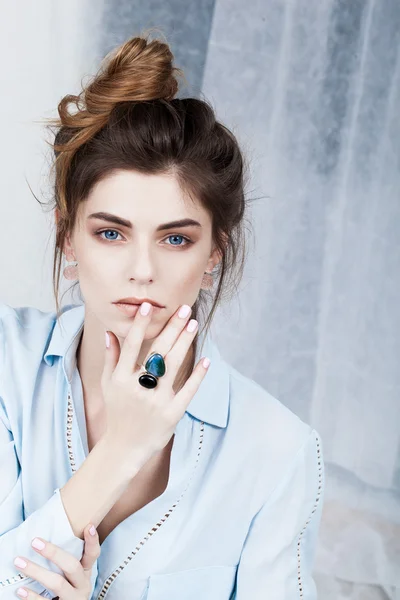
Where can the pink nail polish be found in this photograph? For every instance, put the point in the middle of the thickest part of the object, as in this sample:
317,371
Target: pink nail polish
38,544
21,592
18,562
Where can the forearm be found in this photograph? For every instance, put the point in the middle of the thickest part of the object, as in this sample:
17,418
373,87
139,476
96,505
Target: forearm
97,485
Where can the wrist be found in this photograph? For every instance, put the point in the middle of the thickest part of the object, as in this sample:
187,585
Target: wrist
129,460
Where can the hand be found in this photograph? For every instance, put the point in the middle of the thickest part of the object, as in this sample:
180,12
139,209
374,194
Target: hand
141,420
76,583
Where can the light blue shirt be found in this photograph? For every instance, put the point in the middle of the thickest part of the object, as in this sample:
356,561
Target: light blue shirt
238,520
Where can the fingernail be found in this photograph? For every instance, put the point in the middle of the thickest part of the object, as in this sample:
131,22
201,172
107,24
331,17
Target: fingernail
38,544
107,340
184,311
145,308
92,530
206,362
21,592
191,326
18,562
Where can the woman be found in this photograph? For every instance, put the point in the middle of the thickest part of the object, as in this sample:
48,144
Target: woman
200,484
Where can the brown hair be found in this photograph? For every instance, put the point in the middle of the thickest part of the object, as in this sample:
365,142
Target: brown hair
127,118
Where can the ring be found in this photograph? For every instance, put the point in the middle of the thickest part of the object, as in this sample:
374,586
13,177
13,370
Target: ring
155,368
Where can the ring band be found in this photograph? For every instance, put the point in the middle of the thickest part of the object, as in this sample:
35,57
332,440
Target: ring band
154,369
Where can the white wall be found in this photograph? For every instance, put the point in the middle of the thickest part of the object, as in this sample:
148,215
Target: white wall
46,46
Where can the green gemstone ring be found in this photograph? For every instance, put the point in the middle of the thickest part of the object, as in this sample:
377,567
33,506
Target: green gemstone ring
155,368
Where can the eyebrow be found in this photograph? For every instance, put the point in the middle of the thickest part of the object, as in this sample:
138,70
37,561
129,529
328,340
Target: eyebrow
104,216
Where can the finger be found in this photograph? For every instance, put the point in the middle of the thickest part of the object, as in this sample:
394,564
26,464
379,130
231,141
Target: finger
124,362
52,581
166,339
183,398
28,594
176,356
91,549
68,564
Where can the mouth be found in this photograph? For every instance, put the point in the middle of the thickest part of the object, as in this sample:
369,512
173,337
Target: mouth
131,309
136,302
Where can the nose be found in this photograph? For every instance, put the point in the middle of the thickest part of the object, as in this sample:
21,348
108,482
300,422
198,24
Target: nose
142,270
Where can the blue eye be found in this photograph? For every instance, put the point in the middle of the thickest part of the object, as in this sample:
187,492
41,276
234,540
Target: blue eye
105,231
179,245
181,237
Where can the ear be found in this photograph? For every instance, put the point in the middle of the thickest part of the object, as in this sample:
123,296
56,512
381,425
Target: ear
68,249
215,257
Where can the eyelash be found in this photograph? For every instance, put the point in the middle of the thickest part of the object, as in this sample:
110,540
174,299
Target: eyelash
188,240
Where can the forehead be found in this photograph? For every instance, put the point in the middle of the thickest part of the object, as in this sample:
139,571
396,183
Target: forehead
151,197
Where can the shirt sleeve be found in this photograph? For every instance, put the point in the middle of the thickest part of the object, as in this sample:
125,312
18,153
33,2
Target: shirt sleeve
278,554
50,521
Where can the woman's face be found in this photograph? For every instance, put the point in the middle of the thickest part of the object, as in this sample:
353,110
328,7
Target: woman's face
140,259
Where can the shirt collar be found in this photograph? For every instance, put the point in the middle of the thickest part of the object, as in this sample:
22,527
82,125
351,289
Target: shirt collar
209,404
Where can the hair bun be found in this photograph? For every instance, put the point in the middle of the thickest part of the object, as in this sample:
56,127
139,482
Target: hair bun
137,70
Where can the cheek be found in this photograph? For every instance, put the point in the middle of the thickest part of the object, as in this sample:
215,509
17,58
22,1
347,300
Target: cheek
185,278
99,269
96,280
184,287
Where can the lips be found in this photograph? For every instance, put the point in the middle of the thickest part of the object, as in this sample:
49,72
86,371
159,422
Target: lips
130,309
136,301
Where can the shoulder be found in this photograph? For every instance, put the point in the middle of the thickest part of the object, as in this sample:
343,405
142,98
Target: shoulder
24,335
25,315
24,328
263,416
275,436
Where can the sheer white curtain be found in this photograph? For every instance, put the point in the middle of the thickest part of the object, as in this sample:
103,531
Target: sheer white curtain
46,48
313,90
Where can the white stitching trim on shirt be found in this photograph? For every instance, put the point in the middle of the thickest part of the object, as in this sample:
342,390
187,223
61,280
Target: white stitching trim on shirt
309,518
69,434
121,567
117,571
16,579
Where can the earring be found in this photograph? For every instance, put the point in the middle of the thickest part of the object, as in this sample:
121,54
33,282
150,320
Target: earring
71,272
208,281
